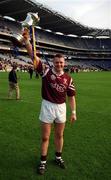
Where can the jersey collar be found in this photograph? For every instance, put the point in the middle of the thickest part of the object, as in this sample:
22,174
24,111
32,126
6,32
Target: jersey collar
62,72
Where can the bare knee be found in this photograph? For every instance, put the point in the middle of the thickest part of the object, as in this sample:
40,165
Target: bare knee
45,139
58,136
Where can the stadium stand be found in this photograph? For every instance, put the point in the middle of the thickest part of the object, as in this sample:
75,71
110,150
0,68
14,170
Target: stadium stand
83,47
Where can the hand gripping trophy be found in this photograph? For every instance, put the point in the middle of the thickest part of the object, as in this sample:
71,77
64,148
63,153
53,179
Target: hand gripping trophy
29,24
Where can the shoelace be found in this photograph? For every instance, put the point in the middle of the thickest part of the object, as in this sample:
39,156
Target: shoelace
42,166
60,160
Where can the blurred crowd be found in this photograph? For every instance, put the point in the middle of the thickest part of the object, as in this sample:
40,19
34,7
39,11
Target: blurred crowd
6,65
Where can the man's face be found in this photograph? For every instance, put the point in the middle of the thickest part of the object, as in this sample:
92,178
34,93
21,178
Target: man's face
59,64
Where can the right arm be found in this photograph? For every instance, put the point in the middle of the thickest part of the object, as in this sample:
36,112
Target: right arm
28,46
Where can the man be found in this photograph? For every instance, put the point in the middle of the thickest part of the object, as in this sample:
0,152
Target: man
13,84
56,85
30,70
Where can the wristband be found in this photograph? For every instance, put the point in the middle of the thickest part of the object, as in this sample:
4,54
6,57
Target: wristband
74,112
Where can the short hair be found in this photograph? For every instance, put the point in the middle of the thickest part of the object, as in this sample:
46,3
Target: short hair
59,55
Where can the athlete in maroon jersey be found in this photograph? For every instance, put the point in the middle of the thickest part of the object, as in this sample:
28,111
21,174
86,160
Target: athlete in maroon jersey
56,86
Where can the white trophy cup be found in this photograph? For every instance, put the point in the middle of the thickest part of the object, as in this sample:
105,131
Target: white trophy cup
31,20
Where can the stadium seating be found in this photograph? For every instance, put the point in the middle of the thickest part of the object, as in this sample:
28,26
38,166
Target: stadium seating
86,52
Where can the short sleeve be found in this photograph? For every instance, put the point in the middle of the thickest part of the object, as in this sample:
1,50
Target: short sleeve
71,88
39,67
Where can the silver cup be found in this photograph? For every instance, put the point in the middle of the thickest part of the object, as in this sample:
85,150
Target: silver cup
32,19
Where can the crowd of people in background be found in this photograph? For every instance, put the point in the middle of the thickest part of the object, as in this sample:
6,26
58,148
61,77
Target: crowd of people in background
76,69
23,65
6,64
5,29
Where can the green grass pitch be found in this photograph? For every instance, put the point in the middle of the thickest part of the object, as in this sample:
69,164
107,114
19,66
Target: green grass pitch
87,143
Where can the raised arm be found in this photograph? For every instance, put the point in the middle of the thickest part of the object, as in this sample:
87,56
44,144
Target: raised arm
28,46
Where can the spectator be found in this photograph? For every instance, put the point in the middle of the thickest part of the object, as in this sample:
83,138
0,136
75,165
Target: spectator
30,72
13,83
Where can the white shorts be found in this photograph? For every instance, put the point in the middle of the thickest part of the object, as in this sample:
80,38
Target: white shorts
51,112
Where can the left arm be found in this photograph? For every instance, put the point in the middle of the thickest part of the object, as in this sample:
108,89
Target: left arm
72,103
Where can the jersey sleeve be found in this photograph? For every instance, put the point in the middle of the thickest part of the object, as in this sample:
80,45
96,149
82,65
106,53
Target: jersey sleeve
71,88
40,68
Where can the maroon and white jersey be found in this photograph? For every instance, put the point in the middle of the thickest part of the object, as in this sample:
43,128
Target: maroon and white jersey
55,87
